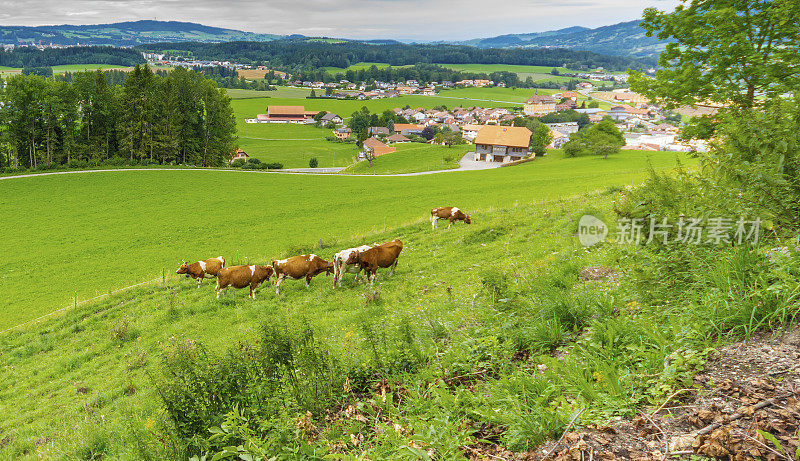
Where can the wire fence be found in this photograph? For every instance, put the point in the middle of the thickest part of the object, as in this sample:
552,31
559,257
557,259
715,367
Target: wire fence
75,303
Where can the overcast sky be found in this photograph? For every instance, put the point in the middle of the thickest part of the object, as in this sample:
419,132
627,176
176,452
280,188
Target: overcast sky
398,19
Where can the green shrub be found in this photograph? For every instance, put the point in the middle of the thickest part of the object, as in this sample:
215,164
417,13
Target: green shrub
287,370
313,162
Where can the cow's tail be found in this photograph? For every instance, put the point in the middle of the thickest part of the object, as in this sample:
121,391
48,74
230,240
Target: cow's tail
222,260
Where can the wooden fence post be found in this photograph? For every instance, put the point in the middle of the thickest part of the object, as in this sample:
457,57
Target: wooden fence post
320,244
75,300
384,223
163,275
237,257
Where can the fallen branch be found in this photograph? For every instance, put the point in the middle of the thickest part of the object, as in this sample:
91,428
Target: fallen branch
569,426
737,416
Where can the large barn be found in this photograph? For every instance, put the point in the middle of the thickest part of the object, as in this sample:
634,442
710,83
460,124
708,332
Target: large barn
286,114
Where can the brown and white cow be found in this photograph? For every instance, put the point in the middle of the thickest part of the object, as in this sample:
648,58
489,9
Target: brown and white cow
450,213
202,269
380,256
243,276
298,267
341,265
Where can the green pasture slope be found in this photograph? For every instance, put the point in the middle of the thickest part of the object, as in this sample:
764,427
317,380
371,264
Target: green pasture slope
80,385
93,232
412,158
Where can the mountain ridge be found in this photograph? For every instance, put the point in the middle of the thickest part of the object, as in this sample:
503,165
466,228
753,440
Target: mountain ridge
621,39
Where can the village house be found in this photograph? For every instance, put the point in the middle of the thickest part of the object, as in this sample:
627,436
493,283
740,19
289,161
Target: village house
397,138
342,133
496,143
378,131
239,155
377,147
406,129
567,128
567,95
539,105
331,117
559,139
470,131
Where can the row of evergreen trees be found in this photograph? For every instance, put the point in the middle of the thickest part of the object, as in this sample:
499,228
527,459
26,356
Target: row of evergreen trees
176,118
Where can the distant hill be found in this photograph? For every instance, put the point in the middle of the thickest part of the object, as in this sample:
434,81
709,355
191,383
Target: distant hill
126,34
623,39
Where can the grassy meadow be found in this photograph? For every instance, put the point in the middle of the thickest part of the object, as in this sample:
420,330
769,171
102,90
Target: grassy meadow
80,385
412,158
113,229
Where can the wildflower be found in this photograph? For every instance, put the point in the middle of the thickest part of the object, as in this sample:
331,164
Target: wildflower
149,423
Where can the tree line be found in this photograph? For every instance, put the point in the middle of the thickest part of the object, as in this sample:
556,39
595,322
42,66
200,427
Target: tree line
176,118
422,73
26,56
296,55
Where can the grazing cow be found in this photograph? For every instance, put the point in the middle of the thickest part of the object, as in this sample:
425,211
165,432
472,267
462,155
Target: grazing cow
243,276
202,269
380,256
341,266
450,213
298,267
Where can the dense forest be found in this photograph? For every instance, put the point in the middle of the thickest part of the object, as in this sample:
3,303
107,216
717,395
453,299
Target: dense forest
296,55
33,57
150,118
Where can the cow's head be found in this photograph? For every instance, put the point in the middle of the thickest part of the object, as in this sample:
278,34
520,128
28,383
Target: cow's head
184,269
353,258
468,220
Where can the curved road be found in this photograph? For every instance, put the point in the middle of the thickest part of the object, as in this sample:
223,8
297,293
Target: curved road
466,164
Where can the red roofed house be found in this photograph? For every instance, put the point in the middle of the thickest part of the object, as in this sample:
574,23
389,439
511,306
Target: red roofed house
378,148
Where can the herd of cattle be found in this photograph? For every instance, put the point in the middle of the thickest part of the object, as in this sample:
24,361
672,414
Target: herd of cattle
367,258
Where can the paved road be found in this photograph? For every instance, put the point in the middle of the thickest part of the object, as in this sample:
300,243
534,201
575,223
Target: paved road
465,164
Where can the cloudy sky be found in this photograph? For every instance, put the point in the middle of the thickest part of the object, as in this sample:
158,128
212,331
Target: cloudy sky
398,19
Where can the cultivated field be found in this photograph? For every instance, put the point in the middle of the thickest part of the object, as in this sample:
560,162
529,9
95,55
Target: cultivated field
108,230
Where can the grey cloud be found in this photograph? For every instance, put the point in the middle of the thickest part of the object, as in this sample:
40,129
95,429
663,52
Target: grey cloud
401,19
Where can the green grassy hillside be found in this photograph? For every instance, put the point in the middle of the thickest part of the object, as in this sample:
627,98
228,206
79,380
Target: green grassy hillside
80,383
93,232
412,158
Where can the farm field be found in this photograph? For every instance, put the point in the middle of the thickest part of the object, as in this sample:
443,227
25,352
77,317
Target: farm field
412,158
113,229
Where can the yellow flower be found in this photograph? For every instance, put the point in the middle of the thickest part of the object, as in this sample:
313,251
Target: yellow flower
348,335
597,376
149,423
